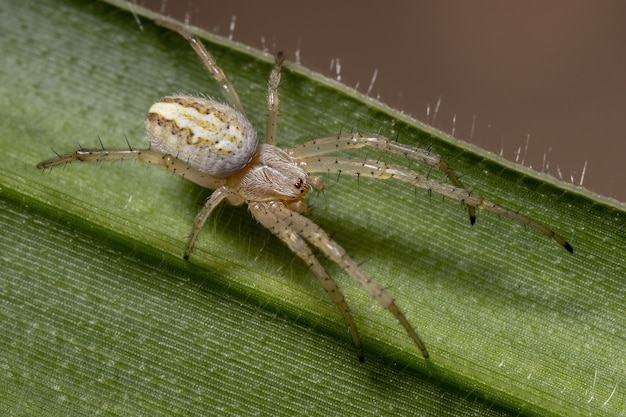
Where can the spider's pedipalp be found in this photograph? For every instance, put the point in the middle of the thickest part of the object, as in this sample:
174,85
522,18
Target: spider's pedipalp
347,141
381,170
275,221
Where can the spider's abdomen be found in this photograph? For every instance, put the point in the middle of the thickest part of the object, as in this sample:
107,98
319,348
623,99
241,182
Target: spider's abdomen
212,137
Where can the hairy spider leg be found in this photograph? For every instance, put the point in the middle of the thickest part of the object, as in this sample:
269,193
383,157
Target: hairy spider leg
347,141
271,115
273,217
223,192
228,91
150,156
292,225
381,170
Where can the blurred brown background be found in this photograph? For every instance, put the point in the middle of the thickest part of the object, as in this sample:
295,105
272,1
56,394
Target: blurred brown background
542,82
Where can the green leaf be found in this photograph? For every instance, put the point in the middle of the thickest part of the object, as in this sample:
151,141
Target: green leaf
100,315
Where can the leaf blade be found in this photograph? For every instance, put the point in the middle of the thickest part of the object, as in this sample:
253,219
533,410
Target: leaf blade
90,82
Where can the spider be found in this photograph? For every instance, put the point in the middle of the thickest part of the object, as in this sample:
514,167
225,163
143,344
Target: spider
214,145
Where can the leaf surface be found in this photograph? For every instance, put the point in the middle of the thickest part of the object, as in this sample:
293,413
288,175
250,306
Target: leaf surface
99,313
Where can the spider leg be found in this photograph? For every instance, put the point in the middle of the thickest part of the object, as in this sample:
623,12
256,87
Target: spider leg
381,170
322,146
228,91
223,192
317,237
278,224
271,117
150,156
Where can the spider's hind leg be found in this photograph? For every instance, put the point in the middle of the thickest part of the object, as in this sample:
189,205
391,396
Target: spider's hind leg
228,91
271,116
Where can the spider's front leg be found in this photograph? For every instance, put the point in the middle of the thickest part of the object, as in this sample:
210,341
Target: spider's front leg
381,170
293,227
347,141
277,223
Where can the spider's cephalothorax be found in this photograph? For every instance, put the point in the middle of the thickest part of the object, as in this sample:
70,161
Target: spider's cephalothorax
215,146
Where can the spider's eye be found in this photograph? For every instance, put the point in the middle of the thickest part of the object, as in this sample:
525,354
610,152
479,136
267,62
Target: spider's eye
299,185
